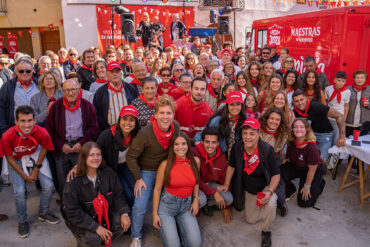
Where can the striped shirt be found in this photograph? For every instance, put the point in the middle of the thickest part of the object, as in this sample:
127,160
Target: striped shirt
117,100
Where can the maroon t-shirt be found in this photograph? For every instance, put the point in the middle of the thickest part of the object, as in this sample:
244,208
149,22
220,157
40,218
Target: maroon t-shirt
302,157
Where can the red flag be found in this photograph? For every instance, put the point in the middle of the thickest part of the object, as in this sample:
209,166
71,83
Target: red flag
51,26
30,32
20,34
61,21
12,44
41,30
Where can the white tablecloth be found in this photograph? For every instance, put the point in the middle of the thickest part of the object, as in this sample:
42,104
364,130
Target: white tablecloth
362,152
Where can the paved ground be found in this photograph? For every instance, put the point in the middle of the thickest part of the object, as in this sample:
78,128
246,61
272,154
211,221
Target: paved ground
341,221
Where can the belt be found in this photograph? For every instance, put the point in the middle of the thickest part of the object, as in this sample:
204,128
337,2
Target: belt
72,142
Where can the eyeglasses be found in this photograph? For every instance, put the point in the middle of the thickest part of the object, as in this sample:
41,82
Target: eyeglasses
179,70
289,61
70,90
166,75
72,54
190,58
266,53
185,82
24,71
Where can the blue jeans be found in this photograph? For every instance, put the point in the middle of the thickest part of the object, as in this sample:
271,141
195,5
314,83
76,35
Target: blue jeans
127,181
175,211
19,193
210,200
323,141
141,203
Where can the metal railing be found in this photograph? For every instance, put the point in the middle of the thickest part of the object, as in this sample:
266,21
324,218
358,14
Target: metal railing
3,9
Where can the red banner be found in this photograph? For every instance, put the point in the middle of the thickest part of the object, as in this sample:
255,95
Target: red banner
12,44
104,22
2,44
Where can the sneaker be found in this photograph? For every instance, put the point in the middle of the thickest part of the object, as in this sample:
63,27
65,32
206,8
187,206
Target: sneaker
49,218
3,217
23,229
136,242
207,210
291,196
284,210
266,239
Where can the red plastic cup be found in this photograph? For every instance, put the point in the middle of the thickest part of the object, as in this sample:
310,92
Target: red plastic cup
363,100
260,195
356,135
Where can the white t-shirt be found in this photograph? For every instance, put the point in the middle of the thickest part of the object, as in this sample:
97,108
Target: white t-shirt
346,94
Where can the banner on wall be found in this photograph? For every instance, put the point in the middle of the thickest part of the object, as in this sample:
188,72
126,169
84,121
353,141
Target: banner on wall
2,44
104,22
12,44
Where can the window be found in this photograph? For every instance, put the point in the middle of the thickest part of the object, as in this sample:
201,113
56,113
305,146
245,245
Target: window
262,38
253,46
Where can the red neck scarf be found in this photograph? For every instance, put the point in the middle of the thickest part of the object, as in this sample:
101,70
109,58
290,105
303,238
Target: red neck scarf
61,61
125,141
209,75
151,105
318,71
250,112
251,162
119,90
101,208
134,80
289,90
23,137
254,82
211,91
309,94
283,71
197,46
75,107
85,67
305,115
338,93
205,156
359,89
233,78
270,132
73,62
242,90
147,69
163,138
27,84
175,79
236,119
301,144
101,81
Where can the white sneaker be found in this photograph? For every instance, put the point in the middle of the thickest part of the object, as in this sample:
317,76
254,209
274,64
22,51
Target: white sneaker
136,242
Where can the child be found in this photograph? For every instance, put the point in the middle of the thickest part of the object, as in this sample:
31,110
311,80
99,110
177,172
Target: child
359,110
251,107
338,97
228,88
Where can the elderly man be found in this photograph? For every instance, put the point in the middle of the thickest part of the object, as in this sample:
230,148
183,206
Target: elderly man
71,122
126,63
71,64
5,73
158,30
44,64
212,64
184,87
139,72
16,92
85,71
178,28
204,59
256,179
214,88
62,53
112,96
310,65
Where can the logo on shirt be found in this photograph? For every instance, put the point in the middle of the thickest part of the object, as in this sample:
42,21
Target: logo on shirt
301,157
253,159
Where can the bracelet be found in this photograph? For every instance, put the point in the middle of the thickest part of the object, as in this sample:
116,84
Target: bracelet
270,192
307,187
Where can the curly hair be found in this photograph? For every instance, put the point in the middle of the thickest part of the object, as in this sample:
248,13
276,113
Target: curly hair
282,130
295,84
310,135
316,86
248,85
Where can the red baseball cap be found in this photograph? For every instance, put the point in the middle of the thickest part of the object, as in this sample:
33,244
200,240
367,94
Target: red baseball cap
129,110
253,123
113,65
234,96
226,51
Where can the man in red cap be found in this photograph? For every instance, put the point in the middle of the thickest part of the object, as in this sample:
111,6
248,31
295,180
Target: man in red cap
112,96
192,112
256,179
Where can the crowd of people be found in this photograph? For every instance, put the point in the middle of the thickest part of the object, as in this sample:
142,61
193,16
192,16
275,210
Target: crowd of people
176,130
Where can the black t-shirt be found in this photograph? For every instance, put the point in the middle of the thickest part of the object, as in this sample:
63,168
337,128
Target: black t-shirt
255,182
318,117
302,157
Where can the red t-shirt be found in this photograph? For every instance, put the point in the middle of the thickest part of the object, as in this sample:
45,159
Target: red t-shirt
16,147
182,179
302,157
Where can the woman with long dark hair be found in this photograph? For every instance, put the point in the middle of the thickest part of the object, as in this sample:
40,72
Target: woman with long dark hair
243,85
254,73
264,97
95,209
290,84
311,87
178,204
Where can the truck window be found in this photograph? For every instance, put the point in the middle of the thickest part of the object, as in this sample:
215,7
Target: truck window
252,40
262,38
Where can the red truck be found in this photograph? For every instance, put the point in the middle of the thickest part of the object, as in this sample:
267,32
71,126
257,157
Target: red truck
338,38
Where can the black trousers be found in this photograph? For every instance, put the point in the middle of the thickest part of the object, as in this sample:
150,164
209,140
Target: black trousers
64,164
289,172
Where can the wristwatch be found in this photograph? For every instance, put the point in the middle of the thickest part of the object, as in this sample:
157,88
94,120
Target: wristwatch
38,166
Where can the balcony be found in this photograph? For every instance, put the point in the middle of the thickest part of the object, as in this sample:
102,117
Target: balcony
216,3
3,9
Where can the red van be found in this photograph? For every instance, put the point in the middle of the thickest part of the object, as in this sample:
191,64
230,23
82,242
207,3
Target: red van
338,38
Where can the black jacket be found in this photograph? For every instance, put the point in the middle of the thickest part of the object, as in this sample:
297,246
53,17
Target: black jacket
79,193
86,78
68,67
101,102
182,29
7,104
5,75
267,156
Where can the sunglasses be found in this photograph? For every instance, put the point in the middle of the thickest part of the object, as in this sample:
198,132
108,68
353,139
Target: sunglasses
24,71
266,53
72,54
289,61
166,75
190,58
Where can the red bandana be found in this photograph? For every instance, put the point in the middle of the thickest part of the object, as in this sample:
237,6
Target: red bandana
101,208
270,133
205,156
61,61
23,140
75,107
243,91
163,138
289,90
359,89
73,62
250,112
283,71
254,82
209,75
318,71
119,90
85,67
211,91
309,94
125,141
165,89
338,93
141,96
233,78
134,80
101,81
27,84
147,69
305,115
236,119
174,79
301,144
251,162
